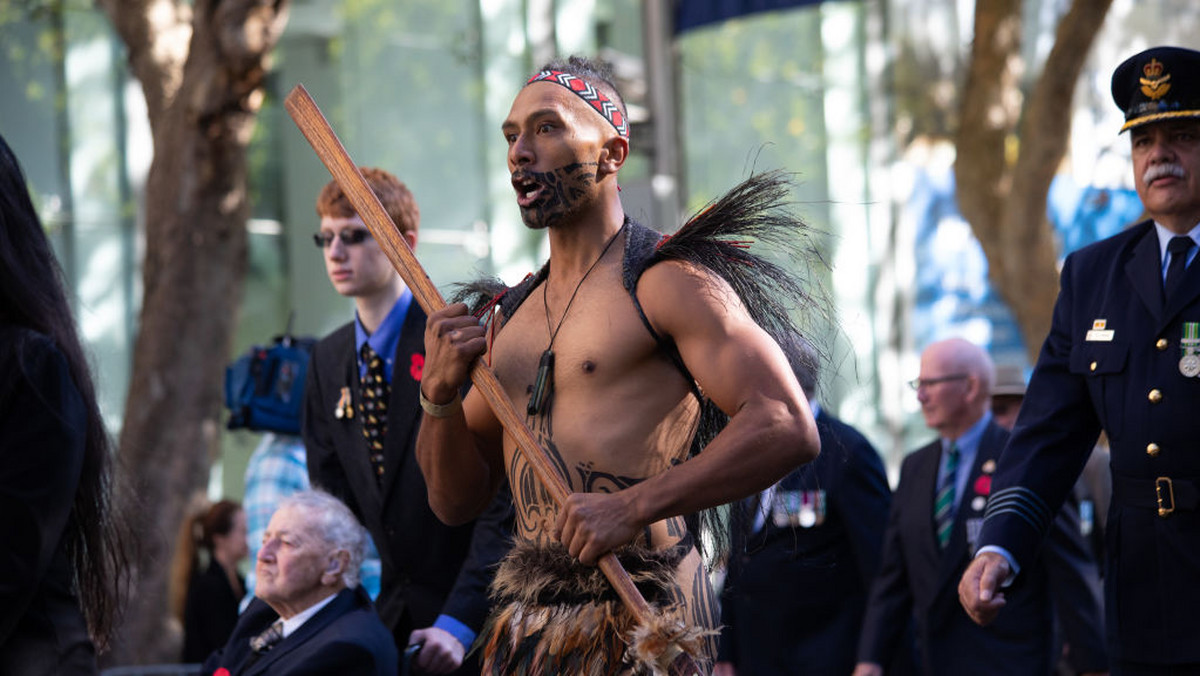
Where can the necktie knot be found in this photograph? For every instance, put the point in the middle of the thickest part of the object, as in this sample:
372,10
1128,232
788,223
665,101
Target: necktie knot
1180,244
268,638
1178,247
369,356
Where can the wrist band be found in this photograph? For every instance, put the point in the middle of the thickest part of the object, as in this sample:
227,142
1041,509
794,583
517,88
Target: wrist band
440,410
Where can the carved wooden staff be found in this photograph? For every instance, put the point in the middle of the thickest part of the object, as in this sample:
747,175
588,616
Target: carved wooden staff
333,155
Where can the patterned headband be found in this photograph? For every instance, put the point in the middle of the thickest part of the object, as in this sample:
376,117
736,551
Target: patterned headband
598,101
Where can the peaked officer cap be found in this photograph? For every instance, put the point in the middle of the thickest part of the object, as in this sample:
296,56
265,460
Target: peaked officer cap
1161,83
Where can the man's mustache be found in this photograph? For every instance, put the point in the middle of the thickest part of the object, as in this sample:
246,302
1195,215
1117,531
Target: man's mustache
1158,171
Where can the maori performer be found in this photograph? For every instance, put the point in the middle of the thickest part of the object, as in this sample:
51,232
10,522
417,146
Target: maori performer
628,351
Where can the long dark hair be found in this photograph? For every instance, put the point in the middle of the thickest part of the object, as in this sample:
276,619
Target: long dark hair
32,296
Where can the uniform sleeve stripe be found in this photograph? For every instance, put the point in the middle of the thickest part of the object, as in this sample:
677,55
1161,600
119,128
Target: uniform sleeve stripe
1024,516
1023,503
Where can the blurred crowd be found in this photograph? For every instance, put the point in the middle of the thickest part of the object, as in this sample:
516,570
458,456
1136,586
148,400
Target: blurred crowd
1048,526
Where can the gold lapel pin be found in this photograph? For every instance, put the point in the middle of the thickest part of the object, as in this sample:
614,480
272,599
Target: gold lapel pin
344,408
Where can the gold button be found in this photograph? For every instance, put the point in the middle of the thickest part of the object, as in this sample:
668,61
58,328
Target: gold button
1155,396
1152,450
1162,344
1093,366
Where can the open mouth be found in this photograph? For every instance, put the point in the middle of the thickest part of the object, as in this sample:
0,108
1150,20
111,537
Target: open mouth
528,190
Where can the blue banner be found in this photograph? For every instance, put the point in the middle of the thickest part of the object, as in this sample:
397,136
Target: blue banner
691,14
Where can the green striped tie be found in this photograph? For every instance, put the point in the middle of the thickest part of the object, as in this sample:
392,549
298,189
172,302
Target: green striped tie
943,505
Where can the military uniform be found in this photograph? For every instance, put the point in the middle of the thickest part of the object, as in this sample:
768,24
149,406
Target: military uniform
1123,357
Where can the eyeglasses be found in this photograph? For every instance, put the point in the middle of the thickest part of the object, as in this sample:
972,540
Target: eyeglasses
918,383
349,236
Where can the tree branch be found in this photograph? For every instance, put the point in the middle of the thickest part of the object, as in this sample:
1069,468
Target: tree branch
1045,136
989,112
1005,201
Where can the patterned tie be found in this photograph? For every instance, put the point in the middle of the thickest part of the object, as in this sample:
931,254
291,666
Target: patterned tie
1178,247
268,638
373,407
943,505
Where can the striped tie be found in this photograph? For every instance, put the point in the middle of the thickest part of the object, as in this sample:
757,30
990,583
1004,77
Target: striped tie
943,505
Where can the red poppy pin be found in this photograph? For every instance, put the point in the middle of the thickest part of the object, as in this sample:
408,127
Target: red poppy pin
221,672
417,367
983,485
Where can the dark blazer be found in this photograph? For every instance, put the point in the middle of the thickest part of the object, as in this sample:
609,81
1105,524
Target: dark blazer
344,638
918,579
1111,361
42,440
421,557
209,613
793,597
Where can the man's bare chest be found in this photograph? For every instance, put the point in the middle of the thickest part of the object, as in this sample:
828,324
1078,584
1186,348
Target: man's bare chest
600,340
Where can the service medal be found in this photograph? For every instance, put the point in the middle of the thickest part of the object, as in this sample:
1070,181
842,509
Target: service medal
812,511
786,509
1189,365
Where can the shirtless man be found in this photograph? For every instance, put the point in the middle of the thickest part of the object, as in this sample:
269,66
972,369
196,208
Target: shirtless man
619,418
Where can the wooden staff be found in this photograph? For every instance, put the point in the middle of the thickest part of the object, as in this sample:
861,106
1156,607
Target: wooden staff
333,155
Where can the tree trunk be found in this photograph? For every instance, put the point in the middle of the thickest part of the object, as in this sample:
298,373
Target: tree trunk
1004,197
196,211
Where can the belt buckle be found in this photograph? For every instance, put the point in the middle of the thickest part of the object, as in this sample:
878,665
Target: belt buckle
1164,511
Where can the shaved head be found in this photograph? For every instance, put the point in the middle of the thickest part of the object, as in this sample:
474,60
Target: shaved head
955,385
966,357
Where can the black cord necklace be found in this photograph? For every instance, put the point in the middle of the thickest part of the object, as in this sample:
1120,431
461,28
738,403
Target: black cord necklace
544,384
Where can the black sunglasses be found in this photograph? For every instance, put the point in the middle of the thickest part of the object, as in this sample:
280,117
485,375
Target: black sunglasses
350,236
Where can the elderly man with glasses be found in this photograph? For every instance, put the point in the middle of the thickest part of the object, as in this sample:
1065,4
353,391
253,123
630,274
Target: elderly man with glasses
932,531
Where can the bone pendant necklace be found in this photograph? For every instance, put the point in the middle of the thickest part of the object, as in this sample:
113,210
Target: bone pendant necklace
543,385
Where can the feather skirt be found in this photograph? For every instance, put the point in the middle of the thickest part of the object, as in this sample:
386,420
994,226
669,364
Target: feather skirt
556,616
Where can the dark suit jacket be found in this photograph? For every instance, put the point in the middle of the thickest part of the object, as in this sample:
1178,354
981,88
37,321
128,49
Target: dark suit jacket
793,597
42,431
421,557
209,613
344,638
1086,379
918,579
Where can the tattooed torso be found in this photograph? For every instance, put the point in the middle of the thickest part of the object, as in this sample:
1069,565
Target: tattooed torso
619,412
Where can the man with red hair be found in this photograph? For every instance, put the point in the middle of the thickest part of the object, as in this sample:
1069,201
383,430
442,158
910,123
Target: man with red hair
360,425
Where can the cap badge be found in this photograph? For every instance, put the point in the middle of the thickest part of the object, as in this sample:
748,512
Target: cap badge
1155,85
